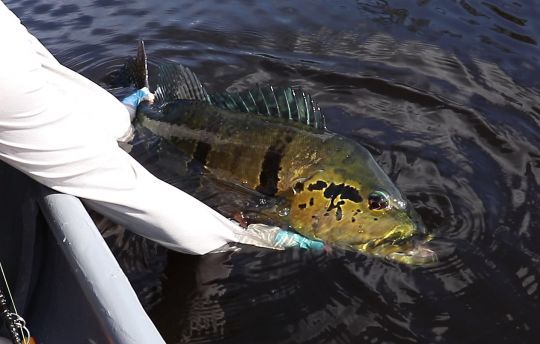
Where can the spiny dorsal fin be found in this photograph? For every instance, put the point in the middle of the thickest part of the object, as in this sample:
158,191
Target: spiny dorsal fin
289,103
178,82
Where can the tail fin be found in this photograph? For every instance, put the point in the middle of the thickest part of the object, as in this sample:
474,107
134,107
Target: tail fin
138,67
133,73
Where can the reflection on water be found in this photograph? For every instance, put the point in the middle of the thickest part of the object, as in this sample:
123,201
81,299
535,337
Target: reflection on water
444,94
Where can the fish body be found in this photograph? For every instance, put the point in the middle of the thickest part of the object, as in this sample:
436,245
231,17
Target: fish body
273,141
324,179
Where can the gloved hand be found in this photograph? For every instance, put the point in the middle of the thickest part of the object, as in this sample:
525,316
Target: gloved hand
138,96
132,101
291,239
274,237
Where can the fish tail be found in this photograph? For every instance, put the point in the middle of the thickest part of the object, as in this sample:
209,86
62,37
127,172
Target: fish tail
139,67
133,73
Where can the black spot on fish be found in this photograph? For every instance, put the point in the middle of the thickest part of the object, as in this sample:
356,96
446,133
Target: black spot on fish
302,206
298,187
311,201
345,192
353,219
375,219
319,185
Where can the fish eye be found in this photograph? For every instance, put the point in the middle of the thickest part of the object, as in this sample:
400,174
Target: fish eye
378,200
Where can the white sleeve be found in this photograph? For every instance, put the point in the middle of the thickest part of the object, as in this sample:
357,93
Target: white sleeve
61,129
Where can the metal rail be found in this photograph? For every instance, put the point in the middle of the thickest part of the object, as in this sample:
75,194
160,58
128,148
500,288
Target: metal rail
97,271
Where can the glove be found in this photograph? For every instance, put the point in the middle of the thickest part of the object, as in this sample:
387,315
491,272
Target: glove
290,239
274,237
137,97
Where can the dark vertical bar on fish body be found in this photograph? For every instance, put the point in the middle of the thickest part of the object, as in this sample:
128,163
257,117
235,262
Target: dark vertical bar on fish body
201,153
268,179
271,165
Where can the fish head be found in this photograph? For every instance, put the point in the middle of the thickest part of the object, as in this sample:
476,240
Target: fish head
356,205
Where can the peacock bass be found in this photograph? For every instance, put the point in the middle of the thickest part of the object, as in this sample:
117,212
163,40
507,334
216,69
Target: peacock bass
274,141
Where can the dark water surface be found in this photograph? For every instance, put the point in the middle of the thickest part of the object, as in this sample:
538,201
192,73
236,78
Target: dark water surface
444,93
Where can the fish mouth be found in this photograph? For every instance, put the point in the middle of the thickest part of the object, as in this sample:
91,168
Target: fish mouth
419,255
394,238
401,245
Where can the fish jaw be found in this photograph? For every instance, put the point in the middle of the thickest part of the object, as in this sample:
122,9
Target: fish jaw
418,255
402,246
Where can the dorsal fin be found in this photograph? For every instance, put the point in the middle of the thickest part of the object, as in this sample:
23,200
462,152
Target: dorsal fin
178,82
288,103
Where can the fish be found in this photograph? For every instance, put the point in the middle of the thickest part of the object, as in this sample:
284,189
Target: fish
274,141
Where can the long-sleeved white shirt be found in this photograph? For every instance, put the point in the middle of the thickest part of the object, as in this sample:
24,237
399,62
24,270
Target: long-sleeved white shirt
62,129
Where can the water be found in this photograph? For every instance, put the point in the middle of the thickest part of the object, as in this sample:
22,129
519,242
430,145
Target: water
445,95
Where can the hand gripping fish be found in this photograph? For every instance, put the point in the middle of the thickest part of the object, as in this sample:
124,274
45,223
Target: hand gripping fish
274,141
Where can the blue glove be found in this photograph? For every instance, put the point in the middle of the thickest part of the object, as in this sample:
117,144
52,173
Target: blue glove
137,97
290,239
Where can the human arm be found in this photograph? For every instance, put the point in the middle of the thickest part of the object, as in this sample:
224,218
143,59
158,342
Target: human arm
61,130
